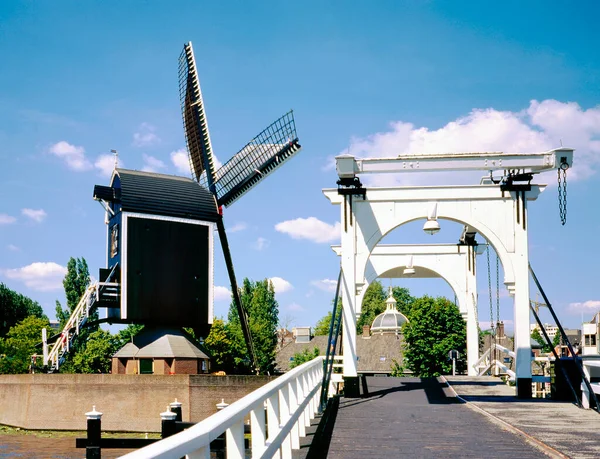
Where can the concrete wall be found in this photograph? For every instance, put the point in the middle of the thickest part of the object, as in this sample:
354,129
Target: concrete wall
129,402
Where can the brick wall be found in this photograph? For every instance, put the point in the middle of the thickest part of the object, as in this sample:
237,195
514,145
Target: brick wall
129,402
186,366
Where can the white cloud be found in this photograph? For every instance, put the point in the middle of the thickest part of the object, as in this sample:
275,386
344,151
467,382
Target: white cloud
310,228
295,307
42,276
72,155
221,293
261,244
591,306
540,127
13,248
152,164
181,162
7,219
145,136
281,285
327,285
240,226
106,164
37,215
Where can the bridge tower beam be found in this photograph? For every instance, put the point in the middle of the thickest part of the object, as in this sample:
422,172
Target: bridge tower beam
499,216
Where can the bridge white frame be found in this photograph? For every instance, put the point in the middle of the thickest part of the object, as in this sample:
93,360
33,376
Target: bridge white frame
455,263
291,401
499,216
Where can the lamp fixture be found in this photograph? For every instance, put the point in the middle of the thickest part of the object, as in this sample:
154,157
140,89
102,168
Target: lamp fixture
432,226
409,270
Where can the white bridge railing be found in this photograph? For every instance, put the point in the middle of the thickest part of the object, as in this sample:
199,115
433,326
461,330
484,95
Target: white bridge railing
291,401
487,363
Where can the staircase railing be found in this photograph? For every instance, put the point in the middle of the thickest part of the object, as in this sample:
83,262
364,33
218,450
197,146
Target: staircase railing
330,357
486,362
291,402
71,329
79,317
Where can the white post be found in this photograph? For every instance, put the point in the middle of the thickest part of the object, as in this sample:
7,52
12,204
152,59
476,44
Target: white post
348,243
273,419
284,415
45,345
294,433
472,329
300,396
258,430
521,301
234,441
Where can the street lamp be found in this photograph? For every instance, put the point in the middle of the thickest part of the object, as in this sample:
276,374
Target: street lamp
432,226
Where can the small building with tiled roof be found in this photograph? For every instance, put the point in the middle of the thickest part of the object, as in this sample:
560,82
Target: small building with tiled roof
162,352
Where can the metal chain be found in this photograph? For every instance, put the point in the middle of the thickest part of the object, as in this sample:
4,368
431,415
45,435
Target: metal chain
562,194
497,289
487,251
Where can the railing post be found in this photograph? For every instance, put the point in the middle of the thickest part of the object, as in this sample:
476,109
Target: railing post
94,433
273,419
234,441
284,415
258,430
167,424
305,392
299,399
176,408
294,432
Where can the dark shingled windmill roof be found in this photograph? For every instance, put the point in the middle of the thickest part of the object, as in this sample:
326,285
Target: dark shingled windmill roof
151,193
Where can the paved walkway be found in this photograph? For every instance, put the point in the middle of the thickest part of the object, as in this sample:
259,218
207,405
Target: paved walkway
562,426
411,417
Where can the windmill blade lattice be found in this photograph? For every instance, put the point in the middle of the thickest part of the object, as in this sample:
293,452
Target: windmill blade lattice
261,156
197,136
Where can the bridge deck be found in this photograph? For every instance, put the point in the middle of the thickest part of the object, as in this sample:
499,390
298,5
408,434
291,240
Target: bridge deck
412,417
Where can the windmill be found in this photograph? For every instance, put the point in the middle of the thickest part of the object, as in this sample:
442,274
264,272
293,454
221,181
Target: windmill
266,152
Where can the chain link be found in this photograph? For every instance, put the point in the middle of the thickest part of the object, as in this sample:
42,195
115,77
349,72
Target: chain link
489,270
497,289
562,194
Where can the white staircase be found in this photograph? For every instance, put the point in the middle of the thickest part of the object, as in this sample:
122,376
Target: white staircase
96,291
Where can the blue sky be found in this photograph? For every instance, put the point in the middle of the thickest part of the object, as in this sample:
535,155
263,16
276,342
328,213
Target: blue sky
78,79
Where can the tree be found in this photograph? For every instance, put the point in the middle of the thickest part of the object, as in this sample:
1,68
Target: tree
15,307
75,283
374,303
536,335
128,333
19,345
322,326
219,346
435,327
259,301
304,356
95,355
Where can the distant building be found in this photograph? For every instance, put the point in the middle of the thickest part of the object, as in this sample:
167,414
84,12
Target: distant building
591,336
376,349
161,352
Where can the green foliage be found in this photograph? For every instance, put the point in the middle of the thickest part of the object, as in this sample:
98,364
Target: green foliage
128,333
304,356
219,346
75,283
322,326
397,370
19,345
259,301
536,335
374,303
15,307
95,355
435,327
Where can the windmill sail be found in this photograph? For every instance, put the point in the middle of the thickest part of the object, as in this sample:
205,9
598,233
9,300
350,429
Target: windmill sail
194,118
261,156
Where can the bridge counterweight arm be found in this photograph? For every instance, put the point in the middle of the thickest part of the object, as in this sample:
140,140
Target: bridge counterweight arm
349,166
